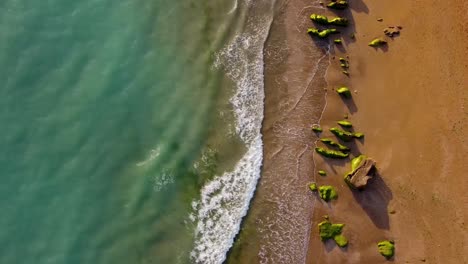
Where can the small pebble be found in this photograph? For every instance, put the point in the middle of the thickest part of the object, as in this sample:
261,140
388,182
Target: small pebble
380,19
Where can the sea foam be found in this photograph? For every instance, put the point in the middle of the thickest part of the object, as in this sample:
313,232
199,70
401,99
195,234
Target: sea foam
225,200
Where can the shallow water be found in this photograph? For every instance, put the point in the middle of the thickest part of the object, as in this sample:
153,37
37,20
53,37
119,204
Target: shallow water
113,118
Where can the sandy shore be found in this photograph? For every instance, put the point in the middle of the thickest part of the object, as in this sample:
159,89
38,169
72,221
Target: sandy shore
410,101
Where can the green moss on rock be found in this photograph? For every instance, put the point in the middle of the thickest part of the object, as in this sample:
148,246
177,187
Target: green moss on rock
338,41
322,173
319,19
328,193
340,5
341,134
317,129
344,91
327,231
313,187
334,154
345,123
377,42
322,33
386,248
341,240
358,135
335,144
337,21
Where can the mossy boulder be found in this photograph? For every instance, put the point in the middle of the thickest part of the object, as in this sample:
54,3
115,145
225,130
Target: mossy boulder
358,135
334,154
377,42
339,5
320,19
317,129
337,21
341,240
331,142
328,193
386,248
362,170
338,41
322,33
345,123
313,187
322,173
341,134
327,231
344,91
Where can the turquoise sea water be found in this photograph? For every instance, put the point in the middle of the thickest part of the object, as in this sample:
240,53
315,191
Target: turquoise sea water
105,107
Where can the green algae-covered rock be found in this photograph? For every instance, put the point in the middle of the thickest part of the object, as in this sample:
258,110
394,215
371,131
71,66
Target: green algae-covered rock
377,42
327,193
317,129
319,19
345,123
337,21
322,173
345,73
341,240
334,154
327,231
332,143
340,5
344,91
322,33
386,248
341,134
313,187
338,41
358,135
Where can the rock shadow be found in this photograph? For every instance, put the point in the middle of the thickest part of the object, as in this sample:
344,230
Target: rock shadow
374,200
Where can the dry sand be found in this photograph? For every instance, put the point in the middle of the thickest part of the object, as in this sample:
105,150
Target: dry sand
411,103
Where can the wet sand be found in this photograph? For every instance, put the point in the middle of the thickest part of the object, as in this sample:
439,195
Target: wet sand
410,101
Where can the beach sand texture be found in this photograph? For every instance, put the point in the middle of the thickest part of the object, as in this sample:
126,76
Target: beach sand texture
409,99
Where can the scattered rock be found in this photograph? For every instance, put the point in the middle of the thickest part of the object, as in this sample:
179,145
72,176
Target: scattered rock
334,154
362,170
327,193
340,5
317,128
327,231
322,33
345,123
377,42
344,91
322,173
392,31
338,41
337,21
313,187
380,19
386,248
332,143
341,134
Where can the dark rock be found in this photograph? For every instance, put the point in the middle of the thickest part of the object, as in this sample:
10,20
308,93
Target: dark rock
392,31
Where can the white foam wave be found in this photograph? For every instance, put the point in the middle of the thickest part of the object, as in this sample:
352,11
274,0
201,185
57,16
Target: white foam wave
225,200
